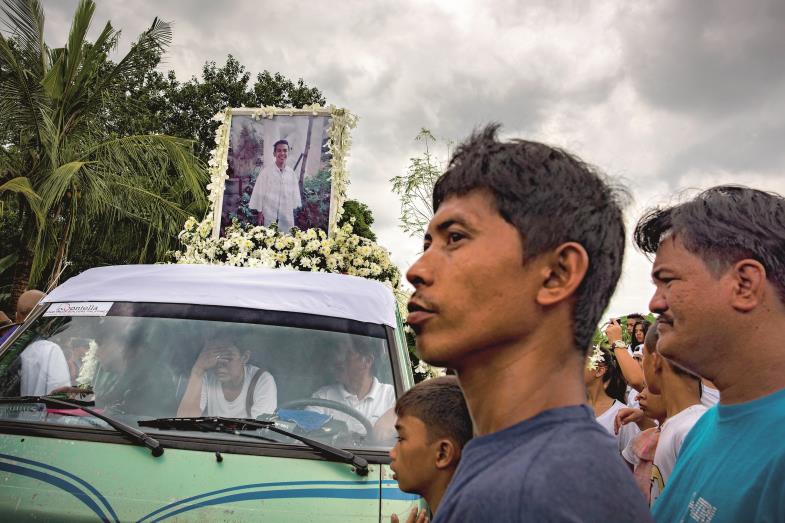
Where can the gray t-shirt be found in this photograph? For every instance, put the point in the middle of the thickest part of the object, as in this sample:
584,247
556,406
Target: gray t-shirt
560,465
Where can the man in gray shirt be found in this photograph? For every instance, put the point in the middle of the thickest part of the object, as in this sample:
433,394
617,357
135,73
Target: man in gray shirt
525,240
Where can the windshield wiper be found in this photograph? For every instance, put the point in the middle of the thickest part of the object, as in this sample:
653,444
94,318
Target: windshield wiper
130,432
238,425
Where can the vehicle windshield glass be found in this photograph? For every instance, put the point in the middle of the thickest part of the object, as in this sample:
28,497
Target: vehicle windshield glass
327,378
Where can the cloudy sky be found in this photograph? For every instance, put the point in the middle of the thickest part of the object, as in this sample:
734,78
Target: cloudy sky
667,96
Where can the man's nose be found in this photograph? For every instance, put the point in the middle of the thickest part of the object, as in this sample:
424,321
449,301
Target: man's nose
421,273
658,304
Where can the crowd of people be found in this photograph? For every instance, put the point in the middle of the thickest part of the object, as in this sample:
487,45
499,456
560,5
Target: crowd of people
675,419
678,419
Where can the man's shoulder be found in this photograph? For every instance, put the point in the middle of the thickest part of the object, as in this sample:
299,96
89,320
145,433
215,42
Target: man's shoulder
531,479
40,348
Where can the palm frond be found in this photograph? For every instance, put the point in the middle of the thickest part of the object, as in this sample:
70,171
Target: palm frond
55,185
25,21
21,185
6,262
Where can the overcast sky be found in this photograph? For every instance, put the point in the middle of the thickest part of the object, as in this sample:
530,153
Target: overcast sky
667,96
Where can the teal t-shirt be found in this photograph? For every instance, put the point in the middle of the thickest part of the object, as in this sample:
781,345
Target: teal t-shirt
731,467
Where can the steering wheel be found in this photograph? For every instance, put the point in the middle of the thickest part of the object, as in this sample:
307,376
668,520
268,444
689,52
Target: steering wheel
329,404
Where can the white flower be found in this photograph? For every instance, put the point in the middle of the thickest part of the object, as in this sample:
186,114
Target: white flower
89,366
595,358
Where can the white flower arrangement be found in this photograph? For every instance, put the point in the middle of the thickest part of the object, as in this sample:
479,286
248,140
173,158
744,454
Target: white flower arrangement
89,365
311,250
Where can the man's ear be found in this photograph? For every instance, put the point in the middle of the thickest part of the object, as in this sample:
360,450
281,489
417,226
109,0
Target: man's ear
447,454
748,278
564,271
246,356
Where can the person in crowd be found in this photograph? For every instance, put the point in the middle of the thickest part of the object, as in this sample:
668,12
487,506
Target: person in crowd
525,238
223,383
352,363
24,306
605,388
276,193
433,426
680,392
639,331
632,319
641,449
631,370
44,368
720,295
128,379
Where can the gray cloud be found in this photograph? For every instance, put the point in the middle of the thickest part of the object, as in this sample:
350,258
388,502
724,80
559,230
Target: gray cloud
664,93
711,58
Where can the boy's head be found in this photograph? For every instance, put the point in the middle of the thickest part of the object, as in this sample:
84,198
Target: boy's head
433,426
522,233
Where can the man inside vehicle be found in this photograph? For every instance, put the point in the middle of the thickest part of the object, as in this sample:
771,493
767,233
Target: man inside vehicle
352,364
223,383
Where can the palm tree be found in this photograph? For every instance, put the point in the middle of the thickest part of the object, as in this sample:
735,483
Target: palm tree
67,179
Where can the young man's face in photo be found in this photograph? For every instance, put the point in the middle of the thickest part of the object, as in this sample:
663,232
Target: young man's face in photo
281,153
413,457
472,289
689,300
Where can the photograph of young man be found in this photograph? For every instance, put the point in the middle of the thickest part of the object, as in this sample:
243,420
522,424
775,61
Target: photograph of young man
276,193
524,240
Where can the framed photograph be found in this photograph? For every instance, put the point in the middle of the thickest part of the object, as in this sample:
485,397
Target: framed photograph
278,169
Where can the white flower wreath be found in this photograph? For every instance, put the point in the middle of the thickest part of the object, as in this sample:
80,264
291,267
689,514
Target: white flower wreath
341,251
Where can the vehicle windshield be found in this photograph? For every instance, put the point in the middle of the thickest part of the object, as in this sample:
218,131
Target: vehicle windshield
327,378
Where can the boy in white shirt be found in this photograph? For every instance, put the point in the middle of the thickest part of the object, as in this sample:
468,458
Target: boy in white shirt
681,393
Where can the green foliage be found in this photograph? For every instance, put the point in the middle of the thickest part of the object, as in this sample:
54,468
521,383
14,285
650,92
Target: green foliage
363,218
66,178
157,102
415,188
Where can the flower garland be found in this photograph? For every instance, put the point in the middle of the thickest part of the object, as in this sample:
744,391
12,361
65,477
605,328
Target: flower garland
311,250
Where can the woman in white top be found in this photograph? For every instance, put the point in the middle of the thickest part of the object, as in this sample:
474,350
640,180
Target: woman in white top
605,389
222,383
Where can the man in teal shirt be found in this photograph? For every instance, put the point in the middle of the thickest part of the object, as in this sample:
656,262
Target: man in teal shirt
719,273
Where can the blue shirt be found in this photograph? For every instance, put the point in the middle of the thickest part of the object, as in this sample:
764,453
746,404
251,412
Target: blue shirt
560,465
731,466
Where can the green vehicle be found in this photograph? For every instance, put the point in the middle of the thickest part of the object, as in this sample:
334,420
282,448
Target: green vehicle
212,393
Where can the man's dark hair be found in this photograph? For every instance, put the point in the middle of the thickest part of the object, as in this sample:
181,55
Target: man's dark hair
721,226
551,197
279,142
636,316
613,379
440,405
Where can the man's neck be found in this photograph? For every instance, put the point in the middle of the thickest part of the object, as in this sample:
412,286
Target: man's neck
754,366
436,489
679,393
360,388
280,165
506,385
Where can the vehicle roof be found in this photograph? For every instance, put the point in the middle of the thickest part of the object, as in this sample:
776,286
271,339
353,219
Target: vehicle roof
326,294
